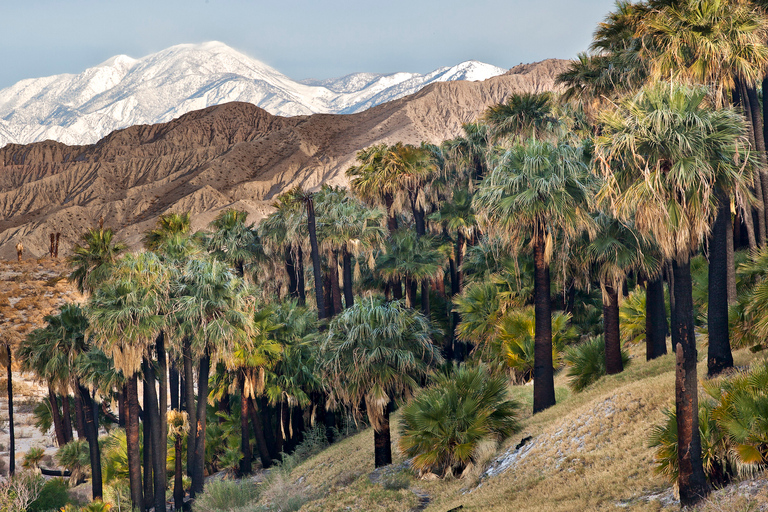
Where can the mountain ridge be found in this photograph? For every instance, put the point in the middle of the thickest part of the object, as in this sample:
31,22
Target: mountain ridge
234,155
123,91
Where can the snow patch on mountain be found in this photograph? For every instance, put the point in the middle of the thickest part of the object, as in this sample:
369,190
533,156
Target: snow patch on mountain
123,91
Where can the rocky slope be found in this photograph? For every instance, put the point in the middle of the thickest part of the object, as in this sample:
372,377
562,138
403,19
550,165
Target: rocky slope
232,155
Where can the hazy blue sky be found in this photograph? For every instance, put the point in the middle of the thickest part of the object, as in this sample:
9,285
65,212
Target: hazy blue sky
301,38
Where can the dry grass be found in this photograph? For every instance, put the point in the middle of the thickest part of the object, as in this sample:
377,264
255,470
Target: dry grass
589,452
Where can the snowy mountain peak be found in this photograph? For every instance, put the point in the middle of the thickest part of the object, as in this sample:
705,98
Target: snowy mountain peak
123,91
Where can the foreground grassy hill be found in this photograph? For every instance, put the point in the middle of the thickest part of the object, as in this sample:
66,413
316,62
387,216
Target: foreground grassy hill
589,452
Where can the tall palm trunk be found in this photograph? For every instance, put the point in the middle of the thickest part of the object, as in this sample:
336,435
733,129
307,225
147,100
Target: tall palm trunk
692,482
719,356
132,440
335,290
316,268
349,296
382,442
543,372
199,434
148,426
92,435
290,270
79,421
655,319
258,429
161,466
758,181
300,276
66,413
245,434
58,424
173,382
729,248
189,386
11,429
758,130
425,297
613,363
156,439
178,483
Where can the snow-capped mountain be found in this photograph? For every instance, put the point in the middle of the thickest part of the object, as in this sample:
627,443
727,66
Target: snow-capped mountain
122,91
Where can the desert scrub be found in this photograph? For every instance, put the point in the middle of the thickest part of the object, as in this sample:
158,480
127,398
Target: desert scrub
442,427
53,496
225,496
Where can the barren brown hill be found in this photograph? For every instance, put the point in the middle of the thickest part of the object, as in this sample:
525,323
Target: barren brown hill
232,155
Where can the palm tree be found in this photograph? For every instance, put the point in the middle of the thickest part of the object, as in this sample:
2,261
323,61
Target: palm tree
376,351
282,234
231,240
91,262
167,225
666,153
60,346
127,321
616,250
539,189
307,199
214,315
347,228
523,116
414,260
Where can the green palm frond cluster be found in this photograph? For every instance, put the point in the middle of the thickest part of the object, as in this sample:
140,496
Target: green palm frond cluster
632,317
376,351
585,362
442,426
515,340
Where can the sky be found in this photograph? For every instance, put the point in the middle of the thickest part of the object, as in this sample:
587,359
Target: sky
300,38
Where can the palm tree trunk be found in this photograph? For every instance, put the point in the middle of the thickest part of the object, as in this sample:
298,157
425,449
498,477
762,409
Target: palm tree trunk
161,469
329,313
391,217
335,290
418,215
132,440
297,421
460,243
316,268
612,338
349,297
655,319
300,276
670,275
410,290
173,380
719,355
382,442
290,270
266,421
202,401
758,185
58,424
425,298
258,429
66,413
758,130
189,386
245,434
11,429
178,484
285,426
79,422
156,439
543,371
92,434
148,426
692,482
729,247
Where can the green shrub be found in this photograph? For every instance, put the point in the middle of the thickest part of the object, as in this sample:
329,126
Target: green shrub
53,496
586,362
75,457
442,426
225,496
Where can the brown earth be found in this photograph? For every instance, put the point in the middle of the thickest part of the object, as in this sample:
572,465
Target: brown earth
232,155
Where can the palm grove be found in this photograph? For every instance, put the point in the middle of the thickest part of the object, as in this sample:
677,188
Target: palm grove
545,236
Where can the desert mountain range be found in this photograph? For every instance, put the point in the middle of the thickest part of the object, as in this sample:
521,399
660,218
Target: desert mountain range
123,91
232,155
